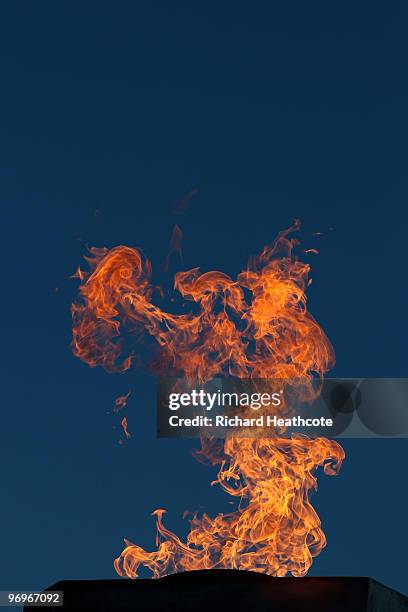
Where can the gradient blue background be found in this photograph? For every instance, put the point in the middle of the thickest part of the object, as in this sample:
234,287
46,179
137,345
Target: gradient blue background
109,113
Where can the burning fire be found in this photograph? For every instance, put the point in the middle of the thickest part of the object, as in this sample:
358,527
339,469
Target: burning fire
255,326
124,424
121,402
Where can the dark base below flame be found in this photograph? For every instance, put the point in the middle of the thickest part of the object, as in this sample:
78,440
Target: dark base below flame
225,590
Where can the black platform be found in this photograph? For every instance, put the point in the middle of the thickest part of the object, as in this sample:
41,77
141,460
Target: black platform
229,590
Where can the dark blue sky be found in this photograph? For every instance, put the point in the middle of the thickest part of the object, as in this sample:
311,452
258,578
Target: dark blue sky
274,111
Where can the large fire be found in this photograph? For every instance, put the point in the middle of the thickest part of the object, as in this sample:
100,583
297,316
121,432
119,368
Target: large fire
256,326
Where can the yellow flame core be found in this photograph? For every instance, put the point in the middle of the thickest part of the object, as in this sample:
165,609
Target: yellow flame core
257,326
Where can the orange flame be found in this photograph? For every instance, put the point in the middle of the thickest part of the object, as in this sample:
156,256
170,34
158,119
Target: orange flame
124,424
121,402
311,251
256,326
78,274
